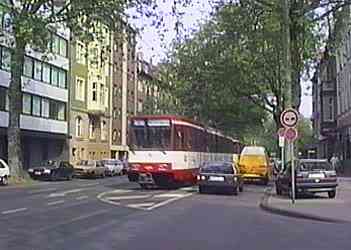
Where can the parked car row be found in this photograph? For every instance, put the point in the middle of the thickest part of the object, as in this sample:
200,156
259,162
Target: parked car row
4,173
63,170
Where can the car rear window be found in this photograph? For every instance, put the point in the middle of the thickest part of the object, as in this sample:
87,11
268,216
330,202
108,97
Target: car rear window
312,166
220,169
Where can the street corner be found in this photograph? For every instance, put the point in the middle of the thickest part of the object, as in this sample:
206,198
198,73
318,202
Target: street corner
146,200
315,209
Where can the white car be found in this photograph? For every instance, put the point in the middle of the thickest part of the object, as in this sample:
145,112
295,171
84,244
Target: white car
4,172
113,167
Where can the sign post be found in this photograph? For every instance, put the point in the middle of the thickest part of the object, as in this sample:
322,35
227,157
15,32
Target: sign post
289,119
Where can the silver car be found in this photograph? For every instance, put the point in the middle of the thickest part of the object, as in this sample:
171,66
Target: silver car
220,176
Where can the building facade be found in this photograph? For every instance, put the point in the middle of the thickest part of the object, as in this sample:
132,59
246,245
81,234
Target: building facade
91,76
324,106
45,98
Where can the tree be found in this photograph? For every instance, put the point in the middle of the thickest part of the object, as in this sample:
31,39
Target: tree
30,24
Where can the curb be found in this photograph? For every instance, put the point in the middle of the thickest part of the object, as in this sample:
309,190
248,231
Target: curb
264,205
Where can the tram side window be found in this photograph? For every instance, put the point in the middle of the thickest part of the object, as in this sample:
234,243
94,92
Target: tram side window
180,138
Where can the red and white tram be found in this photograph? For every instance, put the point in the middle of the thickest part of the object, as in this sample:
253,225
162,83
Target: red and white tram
168,150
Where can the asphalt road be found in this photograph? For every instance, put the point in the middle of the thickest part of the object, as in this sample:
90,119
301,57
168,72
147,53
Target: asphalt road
112,213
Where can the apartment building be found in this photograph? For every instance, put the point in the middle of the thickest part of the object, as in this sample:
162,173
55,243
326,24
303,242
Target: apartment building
124,84
45,97
324,106
91,77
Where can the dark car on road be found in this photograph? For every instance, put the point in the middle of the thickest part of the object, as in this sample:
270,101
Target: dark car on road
311,176
52,170
223,176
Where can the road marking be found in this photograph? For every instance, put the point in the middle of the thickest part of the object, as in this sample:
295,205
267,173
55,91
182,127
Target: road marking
168,201
42,190
141,205
89,184
15,210
82,197
131,197
169,195
62,194
117,191
83,217
55,202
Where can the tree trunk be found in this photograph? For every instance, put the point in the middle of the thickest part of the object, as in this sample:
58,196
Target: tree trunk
15,108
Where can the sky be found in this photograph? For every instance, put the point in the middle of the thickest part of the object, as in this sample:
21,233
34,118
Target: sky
154,46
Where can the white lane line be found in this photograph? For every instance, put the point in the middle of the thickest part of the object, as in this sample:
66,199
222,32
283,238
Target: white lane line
15,210
62,194
89,184
168,201
170,195
42,190
55,202
131,197
82,197
141,205
82,217
117,191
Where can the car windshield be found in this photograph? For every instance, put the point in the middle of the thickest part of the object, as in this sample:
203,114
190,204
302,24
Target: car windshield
48,164
86,163
312,166
220,169
112,162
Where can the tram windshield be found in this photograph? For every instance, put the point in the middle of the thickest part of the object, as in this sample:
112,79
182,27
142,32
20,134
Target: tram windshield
150,134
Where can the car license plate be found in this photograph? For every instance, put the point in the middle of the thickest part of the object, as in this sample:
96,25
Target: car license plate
216,178
37,173
319,175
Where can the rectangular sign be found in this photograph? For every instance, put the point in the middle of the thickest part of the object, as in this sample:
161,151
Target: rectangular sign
139,123
158,123
281,141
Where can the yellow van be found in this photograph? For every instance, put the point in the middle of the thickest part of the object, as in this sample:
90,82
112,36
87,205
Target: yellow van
254,164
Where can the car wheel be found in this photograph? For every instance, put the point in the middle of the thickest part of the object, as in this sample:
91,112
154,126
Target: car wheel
4,181
278,190
202,190
235,191
69,177
332,194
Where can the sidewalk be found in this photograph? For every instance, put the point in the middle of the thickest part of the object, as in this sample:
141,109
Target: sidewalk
318,207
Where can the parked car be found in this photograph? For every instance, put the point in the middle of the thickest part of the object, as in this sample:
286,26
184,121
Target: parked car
90,168
311,175
254,164
4,173
52,170
113,167
220,176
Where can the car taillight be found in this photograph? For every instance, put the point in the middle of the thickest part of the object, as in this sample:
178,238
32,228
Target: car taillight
135,167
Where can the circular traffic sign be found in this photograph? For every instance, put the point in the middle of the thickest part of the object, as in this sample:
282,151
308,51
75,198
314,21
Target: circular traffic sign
289,118
281,132
291,134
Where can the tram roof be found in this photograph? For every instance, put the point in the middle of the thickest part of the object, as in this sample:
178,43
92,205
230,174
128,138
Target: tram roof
183,119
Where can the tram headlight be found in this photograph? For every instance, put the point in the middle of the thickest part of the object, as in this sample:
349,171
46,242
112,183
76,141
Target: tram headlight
198,177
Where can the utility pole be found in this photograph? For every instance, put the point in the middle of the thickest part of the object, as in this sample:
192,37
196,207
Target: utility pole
289,147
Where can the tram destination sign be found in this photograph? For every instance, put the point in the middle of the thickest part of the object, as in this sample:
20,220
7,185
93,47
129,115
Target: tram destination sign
158,123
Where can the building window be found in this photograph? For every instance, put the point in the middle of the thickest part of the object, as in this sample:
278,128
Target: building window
328,109
91,129
36,110
3,99
140,106
5,59
58,45
80,89
62,78
94,96
80,52
38,69
102,94
78,127
61,112
27,104
114,113
114,135
55,76
103,131
28,67
45,107
46,73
